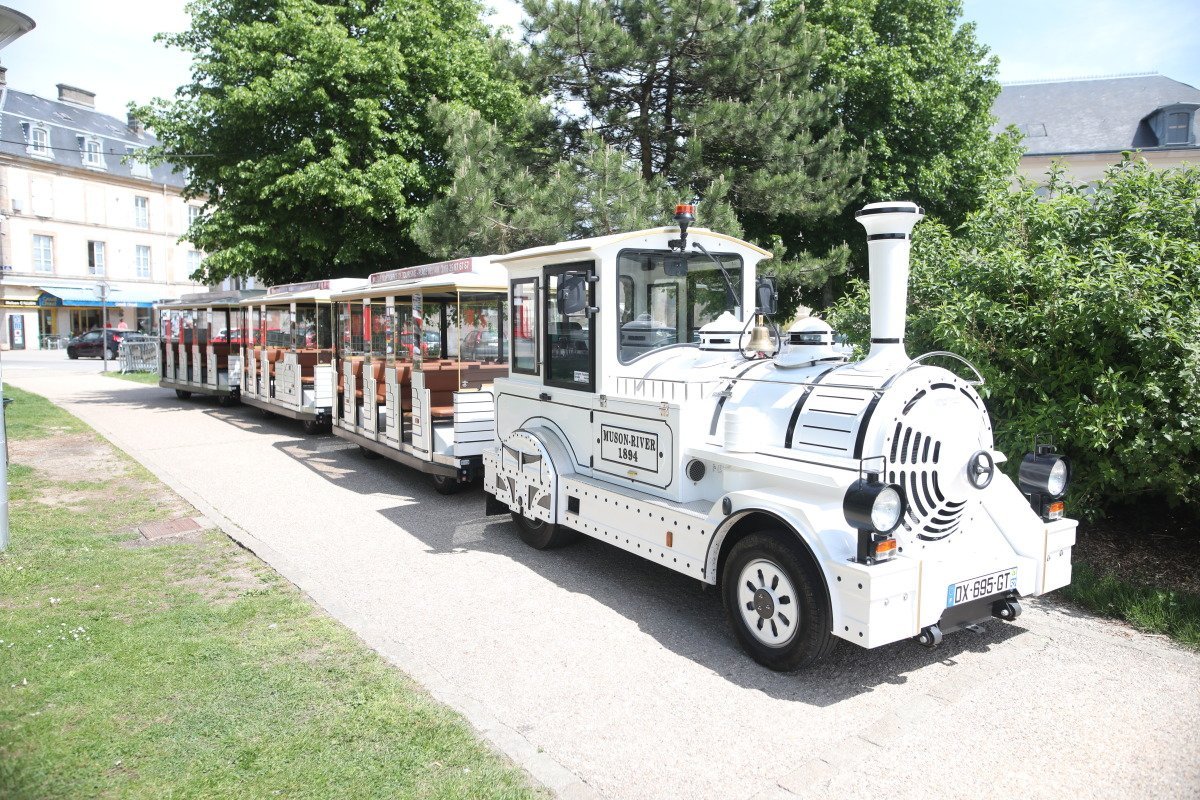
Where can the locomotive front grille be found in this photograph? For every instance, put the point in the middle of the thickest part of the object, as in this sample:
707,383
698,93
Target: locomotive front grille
934,510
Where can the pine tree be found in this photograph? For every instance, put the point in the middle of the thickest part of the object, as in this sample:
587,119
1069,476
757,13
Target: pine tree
652,102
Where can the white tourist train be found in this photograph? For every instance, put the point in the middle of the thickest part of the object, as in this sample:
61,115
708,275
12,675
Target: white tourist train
828,499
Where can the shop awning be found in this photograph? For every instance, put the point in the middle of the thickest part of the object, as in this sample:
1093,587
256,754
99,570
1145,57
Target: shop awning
124,297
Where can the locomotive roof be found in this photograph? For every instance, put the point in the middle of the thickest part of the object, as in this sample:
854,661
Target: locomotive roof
598,243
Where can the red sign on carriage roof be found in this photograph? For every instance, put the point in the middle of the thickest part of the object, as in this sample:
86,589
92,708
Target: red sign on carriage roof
289,288
422,271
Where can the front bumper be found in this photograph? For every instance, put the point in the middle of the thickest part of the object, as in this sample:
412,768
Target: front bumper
883,603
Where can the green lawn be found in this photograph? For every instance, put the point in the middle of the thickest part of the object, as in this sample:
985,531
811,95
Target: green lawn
137,377
189,669
1174,613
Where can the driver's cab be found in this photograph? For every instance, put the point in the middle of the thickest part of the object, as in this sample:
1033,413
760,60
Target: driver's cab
608,329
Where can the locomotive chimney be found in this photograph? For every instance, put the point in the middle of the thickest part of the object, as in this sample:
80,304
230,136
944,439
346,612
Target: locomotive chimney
889,238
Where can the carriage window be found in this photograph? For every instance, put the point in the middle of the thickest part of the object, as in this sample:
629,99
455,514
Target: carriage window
404,333
659,309
189,321
355,344
256,332
524,326
570,339
378,329
202,331
481,331
306,326
273,323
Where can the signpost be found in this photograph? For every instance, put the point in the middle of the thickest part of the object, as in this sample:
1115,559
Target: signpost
102,290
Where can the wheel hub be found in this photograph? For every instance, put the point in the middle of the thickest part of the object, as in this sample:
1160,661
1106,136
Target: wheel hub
767,603
764,604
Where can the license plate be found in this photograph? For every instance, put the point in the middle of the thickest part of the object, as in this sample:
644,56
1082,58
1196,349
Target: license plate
983,586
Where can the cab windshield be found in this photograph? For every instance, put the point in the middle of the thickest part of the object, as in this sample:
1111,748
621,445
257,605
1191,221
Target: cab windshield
662,304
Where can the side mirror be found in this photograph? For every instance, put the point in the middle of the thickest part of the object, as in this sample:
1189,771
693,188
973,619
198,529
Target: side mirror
766,296
573,294
676,266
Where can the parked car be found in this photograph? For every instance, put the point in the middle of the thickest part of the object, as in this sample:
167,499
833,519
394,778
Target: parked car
481,346
87,345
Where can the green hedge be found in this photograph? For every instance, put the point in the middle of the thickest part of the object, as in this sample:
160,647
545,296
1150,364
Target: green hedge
1080,303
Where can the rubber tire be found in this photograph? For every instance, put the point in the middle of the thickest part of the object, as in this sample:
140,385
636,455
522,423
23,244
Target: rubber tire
815,639
183,395
542,535
71,354
369,455
444,484
228,400
110,355
313,427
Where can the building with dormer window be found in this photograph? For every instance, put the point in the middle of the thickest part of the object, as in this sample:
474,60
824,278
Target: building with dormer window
1088,123
77,209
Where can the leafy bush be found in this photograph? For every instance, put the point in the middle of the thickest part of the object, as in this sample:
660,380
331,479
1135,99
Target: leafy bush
1082,310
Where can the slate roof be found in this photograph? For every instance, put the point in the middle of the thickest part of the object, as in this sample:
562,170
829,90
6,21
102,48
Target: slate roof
66,122
1091,115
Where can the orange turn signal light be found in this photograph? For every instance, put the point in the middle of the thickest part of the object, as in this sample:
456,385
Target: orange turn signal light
685,208
1055,510
885,549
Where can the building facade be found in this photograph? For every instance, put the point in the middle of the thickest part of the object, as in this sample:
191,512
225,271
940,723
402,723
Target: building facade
85,228
1087,124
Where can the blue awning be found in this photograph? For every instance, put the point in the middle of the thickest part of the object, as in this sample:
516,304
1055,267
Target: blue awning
117,296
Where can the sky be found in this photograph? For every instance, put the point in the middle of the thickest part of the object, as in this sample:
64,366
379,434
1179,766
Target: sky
107,47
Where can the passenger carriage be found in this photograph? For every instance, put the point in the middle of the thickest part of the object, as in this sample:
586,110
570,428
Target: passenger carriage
288,352
418,351
828,499
201,346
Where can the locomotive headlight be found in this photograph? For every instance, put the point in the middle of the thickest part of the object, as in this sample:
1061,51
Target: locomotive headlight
875,509
886,511
1044,472
1044,478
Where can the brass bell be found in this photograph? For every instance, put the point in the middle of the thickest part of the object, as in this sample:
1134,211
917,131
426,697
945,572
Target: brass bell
760,339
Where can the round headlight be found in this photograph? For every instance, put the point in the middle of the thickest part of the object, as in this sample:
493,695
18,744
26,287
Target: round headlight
871,505
1056,484
885,513
1044,473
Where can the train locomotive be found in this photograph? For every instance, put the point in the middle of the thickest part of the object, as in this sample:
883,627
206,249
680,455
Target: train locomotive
649,406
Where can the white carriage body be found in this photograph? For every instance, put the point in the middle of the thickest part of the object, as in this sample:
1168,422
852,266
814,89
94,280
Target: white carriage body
288,353
200,348
674,453
430,411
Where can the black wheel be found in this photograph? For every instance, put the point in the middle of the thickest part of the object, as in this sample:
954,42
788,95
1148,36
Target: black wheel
542,535
312,426
182,395
370,455
227,400
775,601
109,355
446,484
71,354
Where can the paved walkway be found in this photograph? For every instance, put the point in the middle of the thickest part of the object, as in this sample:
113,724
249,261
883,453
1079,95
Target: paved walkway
607,676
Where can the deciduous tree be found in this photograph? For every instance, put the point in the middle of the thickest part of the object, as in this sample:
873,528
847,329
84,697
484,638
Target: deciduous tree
306,126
